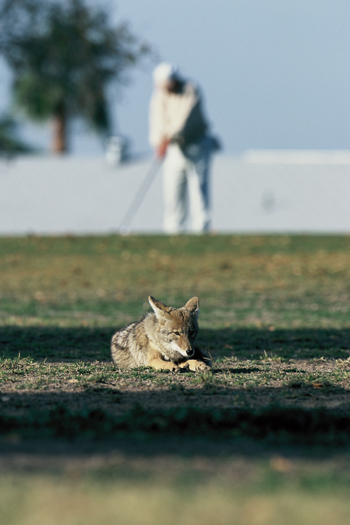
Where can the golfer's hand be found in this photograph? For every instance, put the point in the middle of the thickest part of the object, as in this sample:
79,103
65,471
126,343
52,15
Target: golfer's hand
162,148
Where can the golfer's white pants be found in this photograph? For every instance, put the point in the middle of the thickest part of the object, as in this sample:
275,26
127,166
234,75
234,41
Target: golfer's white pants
185,182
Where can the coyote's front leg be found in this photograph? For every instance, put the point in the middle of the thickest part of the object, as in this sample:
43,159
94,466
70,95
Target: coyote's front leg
160,364
156,361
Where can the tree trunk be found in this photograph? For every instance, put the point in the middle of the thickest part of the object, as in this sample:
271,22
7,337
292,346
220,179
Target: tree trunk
59,144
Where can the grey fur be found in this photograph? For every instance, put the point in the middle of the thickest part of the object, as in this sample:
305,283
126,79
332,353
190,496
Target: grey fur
162,339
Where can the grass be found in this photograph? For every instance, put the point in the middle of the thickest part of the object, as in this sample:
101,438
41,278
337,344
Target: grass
268,501
275,318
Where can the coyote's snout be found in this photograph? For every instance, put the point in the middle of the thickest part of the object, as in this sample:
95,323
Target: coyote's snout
163,339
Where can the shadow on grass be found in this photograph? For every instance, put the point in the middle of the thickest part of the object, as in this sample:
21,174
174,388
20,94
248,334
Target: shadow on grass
225,413
56,344
70,415
89,344
303,343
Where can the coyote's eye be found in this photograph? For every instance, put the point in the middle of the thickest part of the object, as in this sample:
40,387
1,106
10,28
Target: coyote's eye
176,333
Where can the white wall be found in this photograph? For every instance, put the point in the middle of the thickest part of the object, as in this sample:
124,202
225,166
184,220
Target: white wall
265,191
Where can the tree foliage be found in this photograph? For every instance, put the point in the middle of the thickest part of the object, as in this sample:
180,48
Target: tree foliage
10,144
64,53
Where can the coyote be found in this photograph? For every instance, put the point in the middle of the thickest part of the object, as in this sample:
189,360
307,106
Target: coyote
163,339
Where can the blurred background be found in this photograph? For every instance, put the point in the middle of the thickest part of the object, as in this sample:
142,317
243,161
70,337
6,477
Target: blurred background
274,74
275,78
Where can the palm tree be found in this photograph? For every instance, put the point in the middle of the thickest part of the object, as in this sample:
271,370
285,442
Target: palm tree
64,54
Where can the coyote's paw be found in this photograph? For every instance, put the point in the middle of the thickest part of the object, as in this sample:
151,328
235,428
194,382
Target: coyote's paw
197,366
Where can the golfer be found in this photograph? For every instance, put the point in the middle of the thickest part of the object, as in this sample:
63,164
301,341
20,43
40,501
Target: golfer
179,134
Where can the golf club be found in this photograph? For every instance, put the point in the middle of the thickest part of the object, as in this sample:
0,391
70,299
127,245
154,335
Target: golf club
124,227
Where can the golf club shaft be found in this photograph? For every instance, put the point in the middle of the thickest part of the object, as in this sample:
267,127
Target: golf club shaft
140,194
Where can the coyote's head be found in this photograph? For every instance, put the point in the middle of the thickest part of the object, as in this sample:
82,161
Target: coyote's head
178,327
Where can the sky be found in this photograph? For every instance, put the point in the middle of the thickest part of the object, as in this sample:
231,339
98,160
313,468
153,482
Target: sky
275,74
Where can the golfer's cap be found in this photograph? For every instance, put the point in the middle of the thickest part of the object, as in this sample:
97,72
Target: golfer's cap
164,72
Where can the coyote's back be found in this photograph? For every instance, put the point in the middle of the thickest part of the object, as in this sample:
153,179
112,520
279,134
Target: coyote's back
163,339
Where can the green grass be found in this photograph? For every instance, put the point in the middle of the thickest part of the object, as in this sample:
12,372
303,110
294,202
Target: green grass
273,499
247,281
275,318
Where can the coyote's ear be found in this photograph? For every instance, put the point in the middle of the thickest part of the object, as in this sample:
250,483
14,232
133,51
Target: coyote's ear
193,306
159,308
